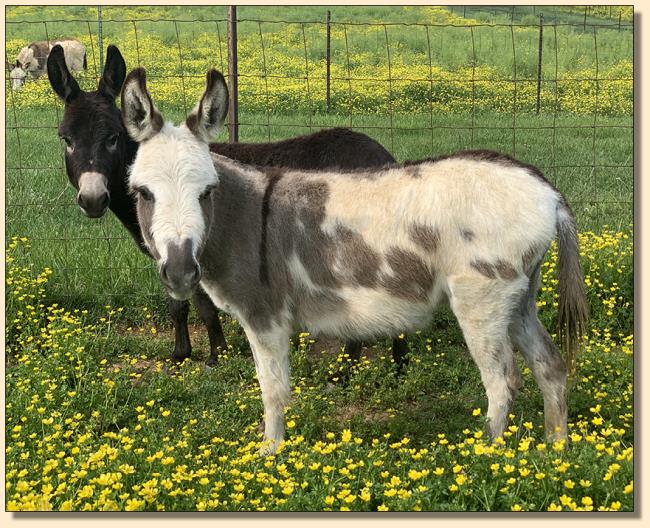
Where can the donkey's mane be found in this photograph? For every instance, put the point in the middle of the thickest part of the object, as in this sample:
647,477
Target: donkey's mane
483,155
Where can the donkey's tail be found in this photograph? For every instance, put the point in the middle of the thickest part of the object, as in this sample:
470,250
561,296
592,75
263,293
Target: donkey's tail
573,307
85,65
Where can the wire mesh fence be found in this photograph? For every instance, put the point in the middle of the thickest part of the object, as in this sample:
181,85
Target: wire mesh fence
554,94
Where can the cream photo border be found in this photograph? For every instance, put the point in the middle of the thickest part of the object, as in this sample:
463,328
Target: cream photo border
315,520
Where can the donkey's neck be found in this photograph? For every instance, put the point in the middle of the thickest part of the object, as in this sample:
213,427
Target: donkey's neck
235,231
122,204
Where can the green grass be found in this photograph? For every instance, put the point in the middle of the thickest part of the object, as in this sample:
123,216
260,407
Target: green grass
529,14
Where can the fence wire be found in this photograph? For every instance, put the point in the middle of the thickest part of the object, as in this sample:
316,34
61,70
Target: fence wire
422,90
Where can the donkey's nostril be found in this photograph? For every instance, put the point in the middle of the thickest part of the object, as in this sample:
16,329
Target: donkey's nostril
195,275
163,274
104,201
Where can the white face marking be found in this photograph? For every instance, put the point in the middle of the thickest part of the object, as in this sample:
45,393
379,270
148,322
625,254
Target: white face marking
176,168
92,185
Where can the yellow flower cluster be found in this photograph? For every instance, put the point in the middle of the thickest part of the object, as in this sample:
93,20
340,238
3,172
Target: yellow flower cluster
277,77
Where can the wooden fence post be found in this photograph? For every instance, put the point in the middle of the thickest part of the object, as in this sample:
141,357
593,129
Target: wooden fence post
100,38
328,59
539,62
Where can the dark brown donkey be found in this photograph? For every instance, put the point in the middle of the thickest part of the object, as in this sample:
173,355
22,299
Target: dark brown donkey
99,151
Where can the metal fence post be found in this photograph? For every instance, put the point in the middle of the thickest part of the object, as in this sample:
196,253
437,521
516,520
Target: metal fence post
100,38
233,107
539,61
328,60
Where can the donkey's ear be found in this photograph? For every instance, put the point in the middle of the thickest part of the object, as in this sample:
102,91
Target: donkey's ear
208,116
114,72
141,119
63,83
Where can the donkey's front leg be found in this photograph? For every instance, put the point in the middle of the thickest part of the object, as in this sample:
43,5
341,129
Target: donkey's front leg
179,311
271,355
210,317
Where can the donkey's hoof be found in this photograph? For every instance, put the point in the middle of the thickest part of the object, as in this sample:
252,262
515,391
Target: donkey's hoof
401,366
340,378
179,358
174,364
556,435
269,447
212,361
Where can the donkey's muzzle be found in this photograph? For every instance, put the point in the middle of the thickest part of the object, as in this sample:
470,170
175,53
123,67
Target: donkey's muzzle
180,272
94,206
93,196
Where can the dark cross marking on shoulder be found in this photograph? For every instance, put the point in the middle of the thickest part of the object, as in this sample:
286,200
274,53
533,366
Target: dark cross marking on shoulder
274,176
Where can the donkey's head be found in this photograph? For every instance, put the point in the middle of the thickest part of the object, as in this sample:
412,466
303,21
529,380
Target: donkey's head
173,177
96,142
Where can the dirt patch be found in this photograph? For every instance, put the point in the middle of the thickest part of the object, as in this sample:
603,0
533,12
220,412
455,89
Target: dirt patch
332,347
166,332
346,414
141,365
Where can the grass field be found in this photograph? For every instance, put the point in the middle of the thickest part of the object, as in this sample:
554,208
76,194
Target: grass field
449,49
97,417
99,420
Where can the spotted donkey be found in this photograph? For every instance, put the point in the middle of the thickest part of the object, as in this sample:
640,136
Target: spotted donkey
98,152
356,255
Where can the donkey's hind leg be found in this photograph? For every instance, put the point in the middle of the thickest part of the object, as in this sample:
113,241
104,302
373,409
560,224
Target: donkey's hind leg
542,356
400,353
210,317
483,308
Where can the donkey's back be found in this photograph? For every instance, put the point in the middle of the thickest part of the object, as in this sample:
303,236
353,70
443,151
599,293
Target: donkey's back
33,58
335,147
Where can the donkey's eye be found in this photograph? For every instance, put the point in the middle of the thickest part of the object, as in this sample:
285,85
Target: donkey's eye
111,142
208,191
145,194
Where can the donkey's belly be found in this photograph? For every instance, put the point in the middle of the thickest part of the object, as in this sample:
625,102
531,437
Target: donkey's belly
365,313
